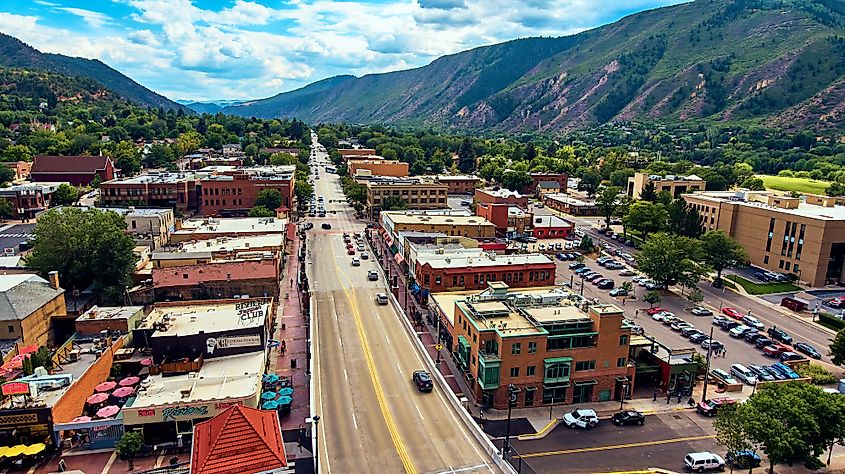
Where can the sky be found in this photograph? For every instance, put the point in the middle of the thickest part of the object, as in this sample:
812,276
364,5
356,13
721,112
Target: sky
248,49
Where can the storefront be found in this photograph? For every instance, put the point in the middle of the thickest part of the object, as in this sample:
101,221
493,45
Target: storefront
26,426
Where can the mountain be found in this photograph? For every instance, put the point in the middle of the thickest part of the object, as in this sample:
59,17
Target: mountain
778,63
208,107
14,53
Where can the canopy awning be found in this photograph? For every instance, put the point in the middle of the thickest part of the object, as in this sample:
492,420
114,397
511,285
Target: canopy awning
581,383
399,259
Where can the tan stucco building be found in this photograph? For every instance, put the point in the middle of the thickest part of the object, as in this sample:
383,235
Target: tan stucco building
475,227
802,236
418,193
673,184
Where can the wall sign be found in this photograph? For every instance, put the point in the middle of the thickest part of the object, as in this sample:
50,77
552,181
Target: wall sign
229,342
15,388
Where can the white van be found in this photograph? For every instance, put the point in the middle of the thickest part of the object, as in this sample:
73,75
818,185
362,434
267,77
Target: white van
704,461
742,372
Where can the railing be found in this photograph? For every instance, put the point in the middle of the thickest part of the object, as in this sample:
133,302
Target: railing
181,468
518,463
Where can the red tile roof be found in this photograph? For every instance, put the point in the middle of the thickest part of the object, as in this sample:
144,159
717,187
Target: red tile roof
69,164
240,440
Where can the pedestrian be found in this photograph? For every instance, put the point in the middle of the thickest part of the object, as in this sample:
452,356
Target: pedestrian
291,282
679,396
654,399
724,352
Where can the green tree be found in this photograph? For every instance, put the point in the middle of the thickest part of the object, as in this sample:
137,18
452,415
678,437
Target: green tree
18,153
269,198
652,298
85,247
128,445
620,177
159,156
251,151
466,156
127,158
837,348
753,183
590,181
586,244
835,189
683,219
6,209
669,259
65,195
261,211
695,296
730,430
607,201
303,190
277,159
7,175
189,142
646,217
721,251
393,203
515,180
649,192
623,205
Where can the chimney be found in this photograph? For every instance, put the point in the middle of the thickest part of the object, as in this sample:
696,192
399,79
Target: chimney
54,279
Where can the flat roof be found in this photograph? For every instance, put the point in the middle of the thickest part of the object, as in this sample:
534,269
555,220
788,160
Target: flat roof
137,211
156,177
502,193
232,225
237,376
193,319
812,211
110,312
435,219
567,199
70,373
479,258
11,262
228,244
550,314
446,302
551,221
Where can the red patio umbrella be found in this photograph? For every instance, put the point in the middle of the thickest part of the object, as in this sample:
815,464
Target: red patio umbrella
129,381
108,411
97,398
105,387
123,392
81,419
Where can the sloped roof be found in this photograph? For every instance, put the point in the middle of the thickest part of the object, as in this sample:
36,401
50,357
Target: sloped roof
69,164
22,294
240,440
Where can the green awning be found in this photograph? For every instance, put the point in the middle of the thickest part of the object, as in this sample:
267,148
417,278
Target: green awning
463,341
555,360
579,383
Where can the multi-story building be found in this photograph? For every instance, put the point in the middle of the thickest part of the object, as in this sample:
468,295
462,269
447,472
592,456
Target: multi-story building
253,274
213,228
501,196
570,205
374,166
510,221
28,304
540,341
76,170
459,184
394,222
180,191
804,237
417,193
356,152
233,192
536,178
147,226
27,200
551,227
21,169
674,185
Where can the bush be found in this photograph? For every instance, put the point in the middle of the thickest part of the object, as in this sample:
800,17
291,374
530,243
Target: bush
830,321
816,373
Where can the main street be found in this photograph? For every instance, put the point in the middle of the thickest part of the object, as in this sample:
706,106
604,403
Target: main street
372,418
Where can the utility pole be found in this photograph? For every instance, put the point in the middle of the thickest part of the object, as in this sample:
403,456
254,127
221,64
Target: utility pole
511,402
707,370
437,344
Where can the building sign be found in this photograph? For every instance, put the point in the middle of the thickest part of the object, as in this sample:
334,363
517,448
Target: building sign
249,310
229,342
172,413
15,388
176,413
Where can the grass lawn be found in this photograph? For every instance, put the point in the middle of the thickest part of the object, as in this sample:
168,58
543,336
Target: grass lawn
800,185
762,288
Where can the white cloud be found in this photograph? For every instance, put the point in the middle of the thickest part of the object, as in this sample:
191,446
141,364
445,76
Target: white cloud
94,19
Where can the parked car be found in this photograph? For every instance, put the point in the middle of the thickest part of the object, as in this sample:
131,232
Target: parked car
773,350
807,349
753,322
560,256
739,331
732,312
689,331
654,310
381,298
679,324
745,459
619,292
308,226
786,370
837,303
761,373
697,338
711,407
789,355
779,334
669,319
777,374
576,265
628,417
326,225
720,320
752,336
704,461
730,325
372,275
605,284
422,380
627,272
582,270
581,418
701,311
711,344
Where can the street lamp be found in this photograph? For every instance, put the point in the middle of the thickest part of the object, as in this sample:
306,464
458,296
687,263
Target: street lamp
622,396
511,403
707,369
315,420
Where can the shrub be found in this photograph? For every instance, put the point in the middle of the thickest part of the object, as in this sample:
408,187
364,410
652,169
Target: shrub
816,373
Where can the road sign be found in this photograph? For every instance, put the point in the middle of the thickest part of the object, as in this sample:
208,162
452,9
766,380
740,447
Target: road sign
438,347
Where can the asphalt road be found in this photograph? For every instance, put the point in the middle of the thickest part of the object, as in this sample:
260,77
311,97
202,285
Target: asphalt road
372,417
12,235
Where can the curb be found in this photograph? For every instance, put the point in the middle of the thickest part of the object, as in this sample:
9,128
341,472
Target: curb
542,433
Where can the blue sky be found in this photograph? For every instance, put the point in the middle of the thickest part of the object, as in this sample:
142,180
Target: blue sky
243,49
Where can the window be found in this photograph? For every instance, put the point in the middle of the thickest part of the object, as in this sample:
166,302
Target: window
516,347
766,259
788,264
185,276
532,347
473,360
437,280
134,224
426,279
454,281
780,264
475,337
606,364
623,340
514,372
462,280
621,362
795,268
11,329
557,371
530,370
800,242
585,365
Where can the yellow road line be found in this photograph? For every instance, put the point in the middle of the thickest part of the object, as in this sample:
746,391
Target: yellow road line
616,446
382,401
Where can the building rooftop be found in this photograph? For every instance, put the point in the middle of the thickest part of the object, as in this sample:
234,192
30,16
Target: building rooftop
157,177
503,193
753,199
551,221
110,312
23,293
463,177
670,177
216,317
226,244
548,185
50,388
402,217
11,262
478,258
255,265
567,199
237,376
233,226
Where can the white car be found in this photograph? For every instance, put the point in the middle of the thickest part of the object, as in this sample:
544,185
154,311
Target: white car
381,298
740,331
703,461
701,311
581,418
356,262
753,322
627,272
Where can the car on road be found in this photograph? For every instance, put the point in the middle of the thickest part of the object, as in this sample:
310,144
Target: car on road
628,417
618,292
761,372
654,310
326,225
581,418
365,256
422,380
697,338
381,298
807,349
732,312
753,322
372,275
711,344
704,461
308,226
350,251
779,334
711,406
701,311
790,355
745,459
360,247
739,331
356,262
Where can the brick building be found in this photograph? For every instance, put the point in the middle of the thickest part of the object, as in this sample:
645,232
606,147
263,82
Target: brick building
356,152
27,200
233,193
570,205
214,228
459,184
551,227
394,222
246,275
417,193
111,318
537,339
674,185
377,167
21,169
510,221
179,191
560,178
474,269
501,196
76,170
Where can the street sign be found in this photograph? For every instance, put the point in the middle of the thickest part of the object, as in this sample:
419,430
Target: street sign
438,347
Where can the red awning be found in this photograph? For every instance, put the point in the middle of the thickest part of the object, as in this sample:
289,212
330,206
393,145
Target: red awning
291,231
399,259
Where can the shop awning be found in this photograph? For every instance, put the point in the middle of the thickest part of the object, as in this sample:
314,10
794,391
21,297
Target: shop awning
555,360
549,386
530,388
581,383
399,259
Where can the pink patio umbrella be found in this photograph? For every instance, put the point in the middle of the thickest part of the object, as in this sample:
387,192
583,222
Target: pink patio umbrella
123,392
97,398
81,419
108,411
105,387
146,362
129,381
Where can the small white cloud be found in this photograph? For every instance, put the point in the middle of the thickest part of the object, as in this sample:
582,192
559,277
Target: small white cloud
94,19
145,37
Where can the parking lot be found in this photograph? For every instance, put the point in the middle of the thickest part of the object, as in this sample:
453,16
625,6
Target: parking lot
14,234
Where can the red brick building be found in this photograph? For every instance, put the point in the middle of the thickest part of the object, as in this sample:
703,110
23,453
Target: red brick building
218,279
560,178
551,227
347,152
233,193
459,184
176,190
76,170
21,169
510,221
26,199
474,270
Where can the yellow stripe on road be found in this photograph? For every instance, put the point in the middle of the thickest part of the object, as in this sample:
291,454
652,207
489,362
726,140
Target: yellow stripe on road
615,446
371,366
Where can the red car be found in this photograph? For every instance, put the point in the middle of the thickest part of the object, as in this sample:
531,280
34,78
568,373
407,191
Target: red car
775,350
350,251
711,407
733,312
654,310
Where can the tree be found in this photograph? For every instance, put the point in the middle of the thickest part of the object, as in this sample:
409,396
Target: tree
515,180
586,244
646,217
159,156
277,159
652,298
6,209
721,251
251,151
17,153
835,189
649,192
590,181
695,296
269,198
261,211
620,177
303,190
127,158
65,195
730,430
623,205
86,247
189,142
394,203
837,348
753,183
7,175
669,259
607,202
130,443
684,219
466,156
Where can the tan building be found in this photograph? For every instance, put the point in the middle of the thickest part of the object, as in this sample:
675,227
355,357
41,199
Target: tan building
804,237
417,193
377,167
28,303
674,185
394,222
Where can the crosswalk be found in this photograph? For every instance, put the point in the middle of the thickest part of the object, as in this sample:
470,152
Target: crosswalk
14,235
